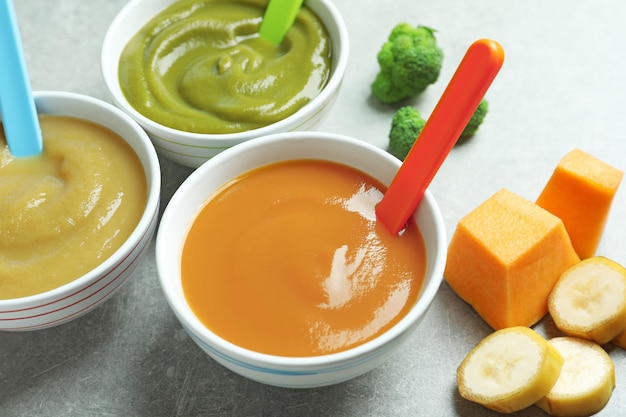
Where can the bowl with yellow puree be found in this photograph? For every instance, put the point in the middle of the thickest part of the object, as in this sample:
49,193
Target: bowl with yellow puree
77,219
272,258
196,75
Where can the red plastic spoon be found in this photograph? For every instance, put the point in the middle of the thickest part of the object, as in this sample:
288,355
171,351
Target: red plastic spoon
470,82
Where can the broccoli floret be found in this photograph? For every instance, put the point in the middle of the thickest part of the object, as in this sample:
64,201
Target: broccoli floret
476,120
409,62
406,125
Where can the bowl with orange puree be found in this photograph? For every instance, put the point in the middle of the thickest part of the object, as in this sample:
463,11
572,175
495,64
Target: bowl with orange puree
76,219
272,258
196,75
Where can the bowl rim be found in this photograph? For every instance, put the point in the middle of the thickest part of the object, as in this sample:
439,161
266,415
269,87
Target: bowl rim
190,322
152,169
342,45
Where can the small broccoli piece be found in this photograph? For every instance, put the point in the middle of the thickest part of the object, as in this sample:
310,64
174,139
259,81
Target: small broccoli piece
476,120
409,62
406,125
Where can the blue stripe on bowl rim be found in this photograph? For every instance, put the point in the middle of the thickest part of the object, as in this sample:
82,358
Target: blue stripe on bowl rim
342,366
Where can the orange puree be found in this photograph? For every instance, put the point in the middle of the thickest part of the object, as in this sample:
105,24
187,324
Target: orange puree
288,259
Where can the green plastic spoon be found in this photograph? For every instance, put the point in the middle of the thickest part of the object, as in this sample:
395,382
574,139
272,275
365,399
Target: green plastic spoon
278,18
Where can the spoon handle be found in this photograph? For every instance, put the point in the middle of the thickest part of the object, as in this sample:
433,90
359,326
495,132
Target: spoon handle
17,108
477,70
278,19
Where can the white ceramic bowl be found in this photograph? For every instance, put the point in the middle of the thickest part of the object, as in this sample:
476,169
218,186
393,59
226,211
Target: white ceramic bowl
277,370
192,149
83,294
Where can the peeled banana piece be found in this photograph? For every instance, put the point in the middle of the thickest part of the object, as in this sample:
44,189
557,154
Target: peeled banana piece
509,370
589,300
586,381
620,340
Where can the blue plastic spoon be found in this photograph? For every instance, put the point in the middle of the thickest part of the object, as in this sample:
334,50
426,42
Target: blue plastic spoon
17,107
278,18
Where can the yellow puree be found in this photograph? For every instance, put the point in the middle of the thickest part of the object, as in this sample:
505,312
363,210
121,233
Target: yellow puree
64,212
200,66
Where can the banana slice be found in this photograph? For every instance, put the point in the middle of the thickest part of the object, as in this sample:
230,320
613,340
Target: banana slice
586,382
620,340
589,300
509,370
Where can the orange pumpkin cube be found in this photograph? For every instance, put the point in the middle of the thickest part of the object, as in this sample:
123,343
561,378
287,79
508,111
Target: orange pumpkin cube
580,192
505,257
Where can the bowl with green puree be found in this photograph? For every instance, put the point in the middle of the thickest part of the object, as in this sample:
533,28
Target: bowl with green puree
199,79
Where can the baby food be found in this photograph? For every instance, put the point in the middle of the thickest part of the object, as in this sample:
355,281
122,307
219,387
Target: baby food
67,210
288,259
200,66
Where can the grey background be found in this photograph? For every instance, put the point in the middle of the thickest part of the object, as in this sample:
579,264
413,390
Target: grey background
562,86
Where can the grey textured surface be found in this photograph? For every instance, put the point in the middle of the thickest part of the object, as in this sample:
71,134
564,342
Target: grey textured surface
562,86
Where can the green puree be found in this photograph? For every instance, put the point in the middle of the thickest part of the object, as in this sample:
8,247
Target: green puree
200,66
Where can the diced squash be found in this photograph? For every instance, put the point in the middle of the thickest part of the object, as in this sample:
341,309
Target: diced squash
580,192
505,257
